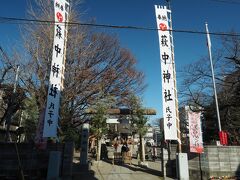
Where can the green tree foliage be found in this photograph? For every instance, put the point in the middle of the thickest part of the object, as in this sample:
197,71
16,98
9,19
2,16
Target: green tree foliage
138,119
70,133
29,117
99,120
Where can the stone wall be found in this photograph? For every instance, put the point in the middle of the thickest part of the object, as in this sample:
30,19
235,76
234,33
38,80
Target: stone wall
34,162
215,161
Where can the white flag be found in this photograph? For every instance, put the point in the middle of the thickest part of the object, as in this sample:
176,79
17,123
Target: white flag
57,67
167,73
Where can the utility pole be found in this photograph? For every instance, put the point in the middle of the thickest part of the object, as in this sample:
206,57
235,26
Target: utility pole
16,79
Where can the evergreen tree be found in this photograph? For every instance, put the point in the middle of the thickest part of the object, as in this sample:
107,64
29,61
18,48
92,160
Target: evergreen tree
138,122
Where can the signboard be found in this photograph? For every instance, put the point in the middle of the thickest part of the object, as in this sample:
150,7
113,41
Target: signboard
167,66
53,96
112,121
195,132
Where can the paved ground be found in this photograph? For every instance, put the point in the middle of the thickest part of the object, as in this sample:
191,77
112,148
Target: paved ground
104,170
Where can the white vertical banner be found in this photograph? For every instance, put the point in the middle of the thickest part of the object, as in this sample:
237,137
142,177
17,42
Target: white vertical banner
56,73
195,132
168,93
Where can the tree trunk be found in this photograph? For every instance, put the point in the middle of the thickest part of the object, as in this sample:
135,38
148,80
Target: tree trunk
92,143
142,149
8,135
99,142
8,120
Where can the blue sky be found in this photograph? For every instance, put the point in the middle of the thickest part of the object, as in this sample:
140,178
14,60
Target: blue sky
186,15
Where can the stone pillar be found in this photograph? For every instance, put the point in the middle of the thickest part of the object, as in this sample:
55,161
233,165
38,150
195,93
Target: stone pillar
84,144
164,158
143,149
182,166
67,160
54,165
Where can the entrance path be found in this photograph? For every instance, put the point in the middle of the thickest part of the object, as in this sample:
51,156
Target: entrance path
106,171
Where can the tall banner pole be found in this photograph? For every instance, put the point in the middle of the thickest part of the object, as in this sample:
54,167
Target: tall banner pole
57,69
169,87
175,83
222,134
65,42
167,73
213,77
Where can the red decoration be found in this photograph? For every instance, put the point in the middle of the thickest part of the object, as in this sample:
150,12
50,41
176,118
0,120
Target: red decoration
199,149
223,138
59,17
163,27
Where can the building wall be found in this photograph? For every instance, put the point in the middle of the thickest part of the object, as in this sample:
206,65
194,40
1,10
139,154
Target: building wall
157,135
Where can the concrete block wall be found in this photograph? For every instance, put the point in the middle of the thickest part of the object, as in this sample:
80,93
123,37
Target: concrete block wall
216,161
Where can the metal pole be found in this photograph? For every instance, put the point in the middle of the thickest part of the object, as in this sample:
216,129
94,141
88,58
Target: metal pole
213,77
175,84
200,166
156,136
16,79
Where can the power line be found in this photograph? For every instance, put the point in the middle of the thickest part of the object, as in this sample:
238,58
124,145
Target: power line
10,20
227,1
